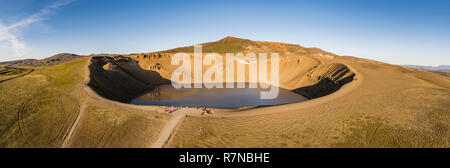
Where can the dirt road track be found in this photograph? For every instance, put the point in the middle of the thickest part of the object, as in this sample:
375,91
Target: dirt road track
32,70
167,131
74,126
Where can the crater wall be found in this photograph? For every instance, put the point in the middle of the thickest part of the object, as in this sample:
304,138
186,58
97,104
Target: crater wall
121,78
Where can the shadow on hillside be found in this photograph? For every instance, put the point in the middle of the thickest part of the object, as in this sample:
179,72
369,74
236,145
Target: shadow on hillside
120,78
324,87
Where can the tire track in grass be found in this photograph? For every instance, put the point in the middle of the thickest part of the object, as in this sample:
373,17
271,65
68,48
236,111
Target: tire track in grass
64,132
32,70
20,119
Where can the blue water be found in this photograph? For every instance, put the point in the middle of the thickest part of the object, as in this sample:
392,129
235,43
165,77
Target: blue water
166,95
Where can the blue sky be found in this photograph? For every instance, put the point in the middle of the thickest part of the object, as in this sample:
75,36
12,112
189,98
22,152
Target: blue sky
393,31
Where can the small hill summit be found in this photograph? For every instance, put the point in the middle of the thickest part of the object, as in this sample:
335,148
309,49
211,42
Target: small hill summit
230,39
55,59
62,57
235,45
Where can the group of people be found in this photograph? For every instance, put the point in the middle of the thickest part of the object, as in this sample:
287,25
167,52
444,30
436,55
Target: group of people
169,109
172,109
206,111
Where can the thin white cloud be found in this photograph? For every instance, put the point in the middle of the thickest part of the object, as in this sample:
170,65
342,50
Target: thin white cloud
7,33
17,46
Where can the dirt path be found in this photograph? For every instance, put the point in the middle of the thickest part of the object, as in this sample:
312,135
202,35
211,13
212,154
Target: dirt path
74,126
166,132
18,76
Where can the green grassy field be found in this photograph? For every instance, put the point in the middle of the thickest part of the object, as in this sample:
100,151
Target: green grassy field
39,109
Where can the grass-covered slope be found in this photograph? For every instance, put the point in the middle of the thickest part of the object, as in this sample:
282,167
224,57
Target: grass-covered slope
49,108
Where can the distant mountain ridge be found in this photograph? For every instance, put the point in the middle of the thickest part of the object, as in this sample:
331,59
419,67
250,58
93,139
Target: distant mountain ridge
444,68
58,58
